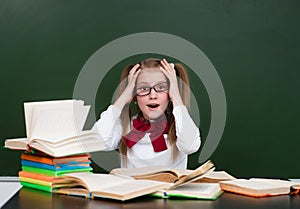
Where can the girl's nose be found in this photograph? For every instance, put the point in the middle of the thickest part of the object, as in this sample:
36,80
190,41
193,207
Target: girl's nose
153,94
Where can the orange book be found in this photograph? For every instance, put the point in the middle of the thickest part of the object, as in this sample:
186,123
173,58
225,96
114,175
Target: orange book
44,178
26,174
259,187
57,160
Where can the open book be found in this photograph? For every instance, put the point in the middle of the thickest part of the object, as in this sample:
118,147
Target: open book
107,186
160,173
208,191
56,128
123,187
259,187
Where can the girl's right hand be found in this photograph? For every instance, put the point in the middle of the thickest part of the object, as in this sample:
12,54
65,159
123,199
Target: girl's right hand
128,93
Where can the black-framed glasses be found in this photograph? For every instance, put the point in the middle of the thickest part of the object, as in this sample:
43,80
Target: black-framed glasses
145,90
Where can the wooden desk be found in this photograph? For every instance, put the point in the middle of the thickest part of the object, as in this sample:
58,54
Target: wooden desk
34,199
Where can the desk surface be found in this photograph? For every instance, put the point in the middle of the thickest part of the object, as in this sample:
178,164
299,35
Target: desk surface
30,198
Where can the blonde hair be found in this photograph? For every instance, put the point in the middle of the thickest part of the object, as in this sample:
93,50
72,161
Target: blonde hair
127,112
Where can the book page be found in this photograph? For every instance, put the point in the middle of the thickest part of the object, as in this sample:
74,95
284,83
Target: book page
82,138
219,175
58,122
99,181
81,144
130,189
80,114
198,173
53,124
29,107
18,143
138,171
149,170
204,190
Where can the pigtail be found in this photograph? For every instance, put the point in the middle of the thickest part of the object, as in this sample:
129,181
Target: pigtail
184,90
183,84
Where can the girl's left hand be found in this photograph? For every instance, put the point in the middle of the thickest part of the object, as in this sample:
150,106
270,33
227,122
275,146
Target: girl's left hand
169,71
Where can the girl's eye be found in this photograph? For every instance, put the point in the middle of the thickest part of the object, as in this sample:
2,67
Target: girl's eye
144,88
161,87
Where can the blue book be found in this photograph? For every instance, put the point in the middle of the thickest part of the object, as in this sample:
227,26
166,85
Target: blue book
59,167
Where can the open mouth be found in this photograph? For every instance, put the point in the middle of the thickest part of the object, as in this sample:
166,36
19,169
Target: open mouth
153,105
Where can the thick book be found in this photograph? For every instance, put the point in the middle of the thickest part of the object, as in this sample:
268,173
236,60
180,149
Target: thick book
56,128
260,187
122,187
160,173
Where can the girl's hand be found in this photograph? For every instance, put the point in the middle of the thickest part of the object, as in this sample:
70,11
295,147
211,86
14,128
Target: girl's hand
127,95
169,71
131,79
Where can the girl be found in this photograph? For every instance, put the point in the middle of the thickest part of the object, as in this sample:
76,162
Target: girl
162,132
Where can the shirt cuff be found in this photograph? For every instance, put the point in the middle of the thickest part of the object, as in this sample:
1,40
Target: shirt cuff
115,111
179,110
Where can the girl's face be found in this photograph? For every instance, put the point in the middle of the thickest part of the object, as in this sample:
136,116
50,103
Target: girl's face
155,103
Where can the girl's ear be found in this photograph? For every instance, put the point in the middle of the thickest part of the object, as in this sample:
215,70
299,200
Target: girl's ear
134,100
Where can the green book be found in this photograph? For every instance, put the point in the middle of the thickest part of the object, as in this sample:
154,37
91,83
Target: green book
204,191
37,186
52,172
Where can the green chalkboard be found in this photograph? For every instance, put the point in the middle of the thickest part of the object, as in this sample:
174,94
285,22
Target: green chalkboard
253,45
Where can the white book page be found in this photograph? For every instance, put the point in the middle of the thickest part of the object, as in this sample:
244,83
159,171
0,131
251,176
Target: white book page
18,143
138,186
58,122
80,115
90,144
200,189
53,124
219,175
29,107
83,137
100,181
138,171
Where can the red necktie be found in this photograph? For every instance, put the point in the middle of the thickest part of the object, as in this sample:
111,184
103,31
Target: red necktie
156,129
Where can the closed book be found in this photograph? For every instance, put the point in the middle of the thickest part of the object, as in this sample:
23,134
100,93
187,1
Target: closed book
52,172
58,167
43,158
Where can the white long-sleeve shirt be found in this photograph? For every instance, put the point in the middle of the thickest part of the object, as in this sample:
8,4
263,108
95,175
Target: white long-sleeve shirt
142,154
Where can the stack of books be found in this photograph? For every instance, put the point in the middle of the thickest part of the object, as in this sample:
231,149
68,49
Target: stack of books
43,172
56,143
